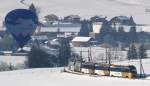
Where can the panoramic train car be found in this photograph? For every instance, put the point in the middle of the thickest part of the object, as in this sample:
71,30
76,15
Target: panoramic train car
102,69
88,68
123,71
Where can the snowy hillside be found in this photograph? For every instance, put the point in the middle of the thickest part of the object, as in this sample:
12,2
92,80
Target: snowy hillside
54,77
49,77
84,8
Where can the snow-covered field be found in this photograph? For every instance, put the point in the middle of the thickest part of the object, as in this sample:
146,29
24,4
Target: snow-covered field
13,60
55,77
84,8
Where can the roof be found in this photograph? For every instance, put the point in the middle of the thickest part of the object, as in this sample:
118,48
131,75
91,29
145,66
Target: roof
123,20
74,16
61,29
81,39
41,37
123,17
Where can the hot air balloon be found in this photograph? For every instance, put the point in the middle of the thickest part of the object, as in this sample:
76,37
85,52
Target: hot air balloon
21,23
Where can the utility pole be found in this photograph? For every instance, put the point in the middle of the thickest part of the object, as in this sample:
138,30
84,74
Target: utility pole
109,60
80,54
142,73
90,55
106,53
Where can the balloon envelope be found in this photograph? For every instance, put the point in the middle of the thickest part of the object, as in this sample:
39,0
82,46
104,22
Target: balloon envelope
21,23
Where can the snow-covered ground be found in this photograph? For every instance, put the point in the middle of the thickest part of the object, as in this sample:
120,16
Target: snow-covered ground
13,59
19,62
53,77
84,8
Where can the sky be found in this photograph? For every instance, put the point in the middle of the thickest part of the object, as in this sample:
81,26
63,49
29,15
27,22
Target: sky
84,8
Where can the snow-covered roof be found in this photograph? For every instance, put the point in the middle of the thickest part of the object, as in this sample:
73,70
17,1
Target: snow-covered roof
123,17
81,39
42,37
62,29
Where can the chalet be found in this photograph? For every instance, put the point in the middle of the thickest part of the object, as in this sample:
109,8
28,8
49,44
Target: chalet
122,21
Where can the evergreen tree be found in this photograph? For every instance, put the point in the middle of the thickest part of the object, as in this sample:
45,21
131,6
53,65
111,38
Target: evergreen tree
132,36
38,58
106,29
6,43
121,35
109,40
64,52
86,28
142,52
33,8
132,53
132,21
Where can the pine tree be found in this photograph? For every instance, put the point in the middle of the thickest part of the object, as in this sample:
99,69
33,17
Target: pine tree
142,52
132,52
86,28
121,35
133,37
64,52
109,40
33,8
105,30
132,21
38,58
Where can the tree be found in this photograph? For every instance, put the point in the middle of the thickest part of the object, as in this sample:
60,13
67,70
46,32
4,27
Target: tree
51,17
86,28
132,21
35,9
6,43
109,40
132,53
142,52
121,36
64,52
38,58
105,30
133,37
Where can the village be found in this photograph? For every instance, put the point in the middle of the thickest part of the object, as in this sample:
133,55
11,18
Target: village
74,43
83,36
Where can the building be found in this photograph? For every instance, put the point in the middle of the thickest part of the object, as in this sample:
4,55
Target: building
122,21
81,41
72,18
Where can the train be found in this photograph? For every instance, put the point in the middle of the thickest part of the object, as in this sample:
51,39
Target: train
103,69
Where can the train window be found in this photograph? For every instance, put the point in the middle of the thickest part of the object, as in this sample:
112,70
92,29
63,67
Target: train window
101,67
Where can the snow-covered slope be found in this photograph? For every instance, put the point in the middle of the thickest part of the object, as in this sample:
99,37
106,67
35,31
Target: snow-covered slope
84,8
54,77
